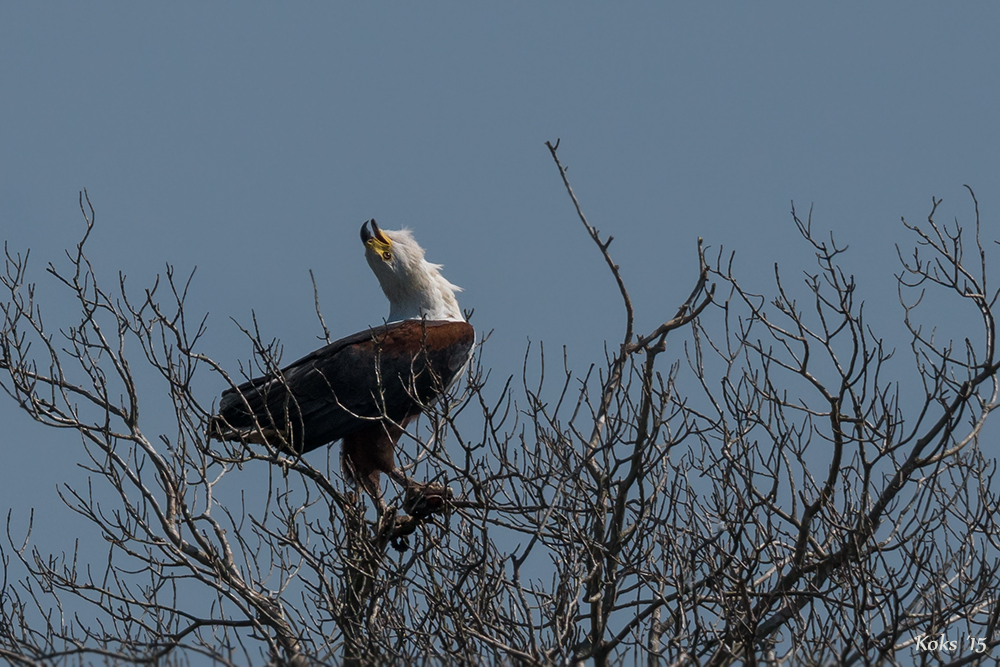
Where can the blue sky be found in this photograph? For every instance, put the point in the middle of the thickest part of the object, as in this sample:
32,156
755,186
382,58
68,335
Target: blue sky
253,141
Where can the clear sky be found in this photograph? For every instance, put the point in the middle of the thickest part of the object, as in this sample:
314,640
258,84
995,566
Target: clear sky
252,141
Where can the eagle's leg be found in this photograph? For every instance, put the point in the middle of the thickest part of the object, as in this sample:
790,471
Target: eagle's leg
369,452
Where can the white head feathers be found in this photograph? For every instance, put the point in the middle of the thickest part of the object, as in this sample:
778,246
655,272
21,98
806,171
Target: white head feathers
415,287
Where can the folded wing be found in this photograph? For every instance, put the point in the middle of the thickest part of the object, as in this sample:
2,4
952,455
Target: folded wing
388,373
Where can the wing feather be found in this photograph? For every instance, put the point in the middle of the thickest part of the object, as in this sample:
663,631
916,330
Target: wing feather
389,372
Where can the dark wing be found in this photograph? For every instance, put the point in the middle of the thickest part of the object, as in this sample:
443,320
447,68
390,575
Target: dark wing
390,371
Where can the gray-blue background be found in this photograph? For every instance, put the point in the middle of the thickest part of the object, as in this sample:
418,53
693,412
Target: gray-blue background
251,141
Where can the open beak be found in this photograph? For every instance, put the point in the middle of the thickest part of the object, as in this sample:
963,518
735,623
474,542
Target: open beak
376,233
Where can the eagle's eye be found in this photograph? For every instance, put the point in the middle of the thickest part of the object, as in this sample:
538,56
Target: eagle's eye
386,255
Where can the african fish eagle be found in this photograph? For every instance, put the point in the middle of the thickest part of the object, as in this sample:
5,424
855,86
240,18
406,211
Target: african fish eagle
365,388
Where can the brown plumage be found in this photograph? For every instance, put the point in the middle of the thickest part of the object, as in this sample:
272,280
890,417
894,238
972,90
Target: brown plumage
362,389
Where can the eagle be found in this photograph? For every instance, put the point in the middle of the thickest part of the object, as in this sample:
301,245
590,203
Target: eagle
363,389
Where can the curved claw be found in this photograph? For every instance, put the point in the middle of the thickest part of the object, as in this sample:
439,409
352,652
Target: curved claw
422,500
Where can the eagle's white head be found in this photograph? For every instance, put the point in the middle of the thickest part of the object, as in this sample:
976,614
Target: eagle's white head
415,287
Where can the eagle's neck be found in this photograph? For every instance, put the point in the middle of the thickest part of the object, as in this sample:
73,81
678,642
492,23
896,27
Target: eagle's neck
427,294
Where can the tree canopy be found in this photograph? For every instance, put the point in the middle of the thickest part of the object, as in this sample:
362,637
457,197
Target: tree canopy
757,479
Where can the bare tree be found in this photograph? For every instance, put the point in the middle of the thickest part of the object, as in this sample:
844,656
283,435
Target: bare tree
777,494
